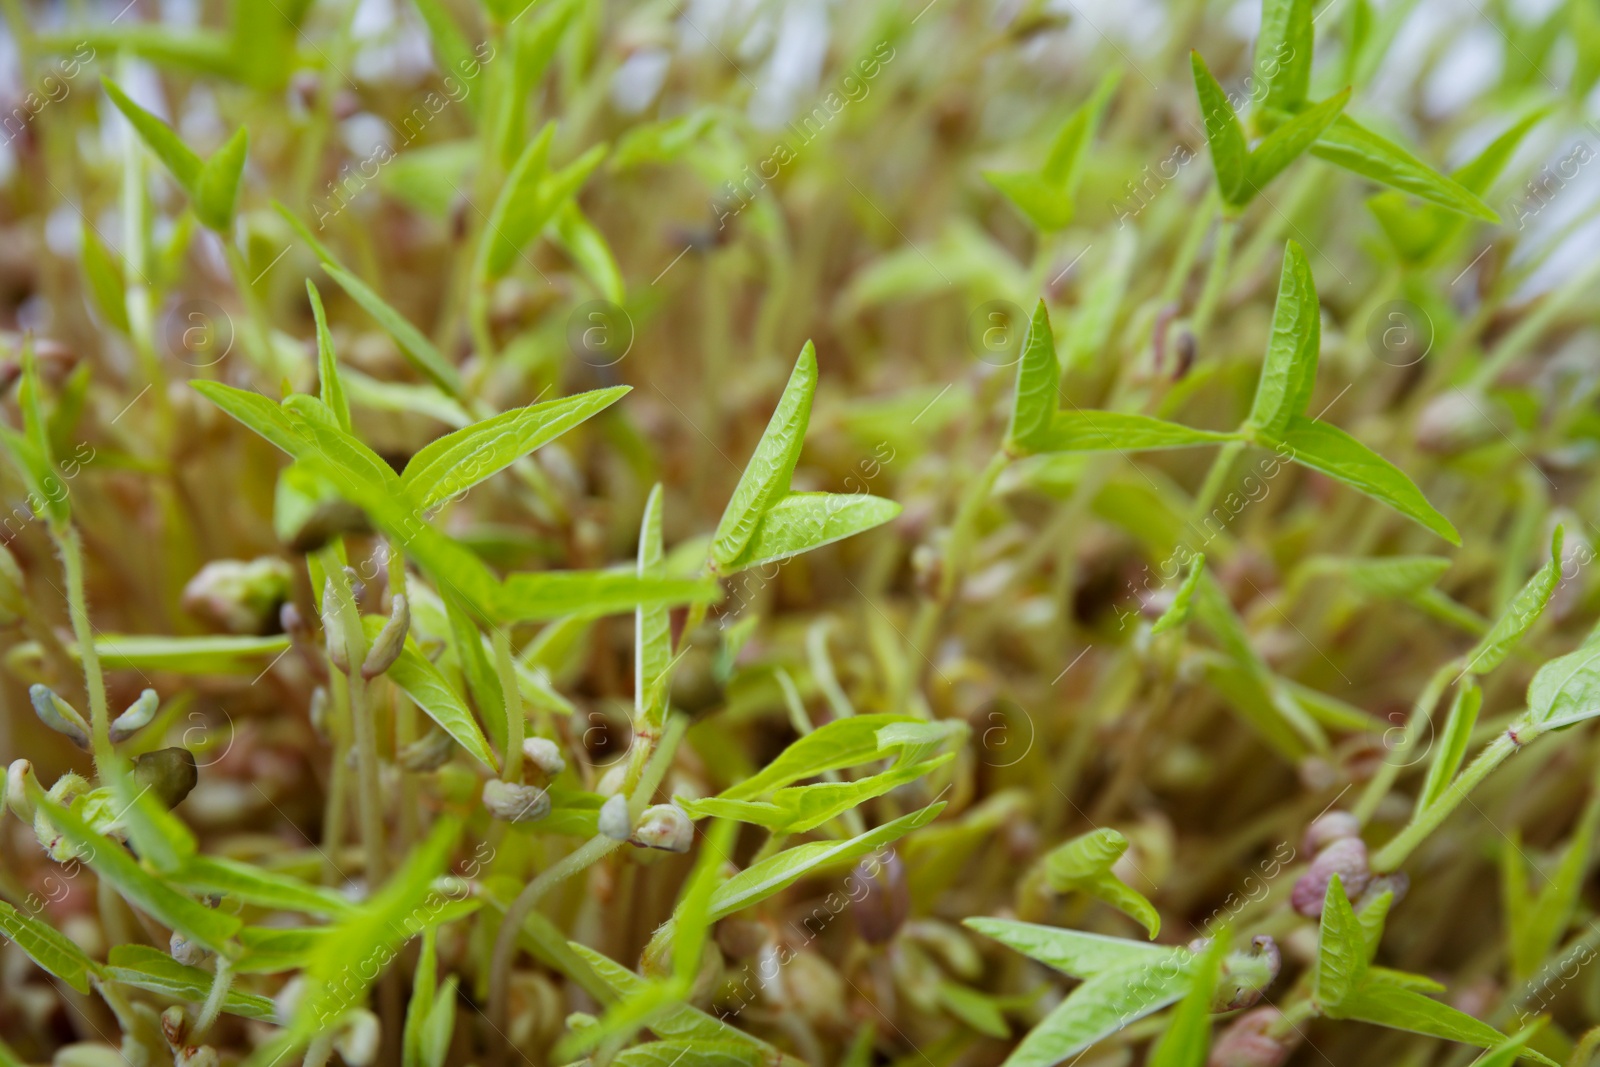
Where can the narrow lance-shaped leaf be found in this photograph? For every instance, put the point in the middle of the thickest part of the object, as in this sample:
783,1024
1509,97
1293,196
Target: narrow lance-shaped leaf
209,929
1348,144
143,967
1178,612
416,347
258,886
776,873
1115,431
1520,615
1229,153
330,388
766,477
1290,371
1038,391
1284,51
177,157
1341,950
106,285
503,233
1451,748
1084,864
216,188
356,951
1328,449
544,595
457,461
48,947
1290,141
652,624
801,522
1188,1036
832,746
428,688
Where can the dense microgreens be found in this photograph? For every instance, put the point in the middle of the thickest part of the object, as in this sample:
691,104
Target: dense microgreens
470,844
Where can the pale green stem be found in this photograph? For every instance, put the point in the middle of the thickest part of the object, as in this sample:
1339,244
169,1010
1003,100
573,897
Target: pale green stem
369,798
70,546
318,1051
1427,821
1216,279
1421,712
1190,248
261,343
512,699
1215,478
587,854
214,1000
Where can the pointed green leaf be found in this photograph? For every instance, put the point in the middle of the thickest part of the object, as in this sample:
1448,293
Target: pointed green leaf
209,929
681,1022
765,480
257,412
1352,146
1341,951
428,688
1098,1008
652,623
1073,952
352,955
832,746
776,873
1284,50
424,985
456,462
1290,141
106,284
1188,1036
451,53
1084,864
1178,612
258,886
1115,431
1400,1008
143,967
1451,747
159,837
1563,692
1038,392
797,809
1512,1048
1289,372
48,947
216,188
1328,449
1520,615
330,388
1044,203
1229,153
537,597
176,156
801,522
1385,578
417,349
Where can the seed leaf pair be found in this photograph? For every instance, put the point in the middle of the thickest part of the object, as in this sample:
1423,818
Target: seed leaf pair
1122,981
1346,985
212,184
764,521
1241,172
529,200
1048,196
1084,865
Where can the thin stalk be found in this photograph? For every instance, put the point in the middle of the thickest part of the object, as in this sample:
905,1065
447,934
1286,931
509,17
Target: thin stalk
1190,248
369,797
512,698
957,551
1427,821
1378,787
266,356
214,1000
1216,278
585,856
70,546
1215,478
